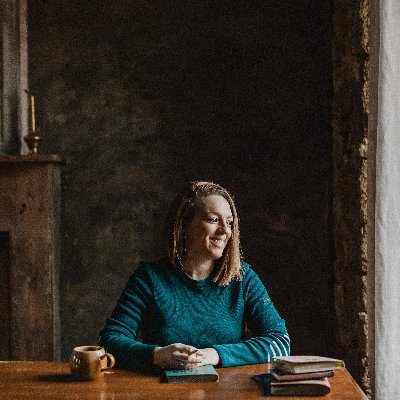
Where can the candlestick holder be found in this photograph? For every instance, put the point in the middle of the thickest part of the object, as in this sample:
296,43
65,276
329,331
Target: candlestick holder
33,139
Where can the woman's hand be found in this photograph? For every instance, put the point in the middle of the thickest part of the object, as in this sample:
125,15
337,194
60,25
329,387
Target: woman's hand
182,356
208,356
177,356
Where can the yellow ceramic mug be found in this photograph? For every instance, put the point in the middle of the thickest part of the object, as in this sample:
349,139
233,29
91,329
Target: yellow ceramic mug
89,362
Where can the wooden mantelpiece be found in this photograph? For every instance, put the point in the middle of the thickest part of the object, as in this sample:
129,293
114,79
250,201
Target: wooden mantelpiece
29,257
28,159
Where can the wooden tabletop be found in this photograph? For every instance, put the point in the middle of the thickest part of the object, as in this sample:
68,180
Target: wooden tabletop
50,380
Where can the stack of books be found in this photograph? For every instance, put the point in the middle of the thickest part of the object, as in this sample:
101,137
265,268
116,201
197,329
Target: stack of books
299,376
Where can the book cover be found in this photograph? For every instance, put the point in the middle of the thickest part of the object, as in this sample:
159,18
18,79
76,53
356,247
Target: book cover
302,364
283,377
314,387
205,373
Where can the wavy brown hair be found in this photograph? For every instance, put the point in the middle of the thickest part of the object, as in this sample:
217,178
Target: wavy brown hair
228,266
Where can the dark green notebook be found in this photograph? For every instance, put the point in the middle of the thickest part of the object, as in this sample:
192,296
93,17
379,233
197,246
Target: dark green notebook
206,373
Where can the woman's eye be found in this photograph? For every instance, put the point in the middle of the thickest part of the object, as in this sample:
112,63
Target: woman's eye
213,219
229,223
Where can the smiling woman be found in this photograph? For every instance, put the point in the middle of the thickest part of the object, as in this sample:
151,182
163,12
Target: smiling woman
192,306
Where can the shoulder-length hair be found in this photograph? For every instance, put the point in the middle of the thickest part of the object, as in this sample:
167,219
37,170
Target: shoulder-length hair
228,267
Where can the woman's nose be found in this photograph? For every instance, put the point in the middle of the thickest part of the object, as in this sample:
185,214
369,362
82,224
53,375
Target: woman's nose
223,226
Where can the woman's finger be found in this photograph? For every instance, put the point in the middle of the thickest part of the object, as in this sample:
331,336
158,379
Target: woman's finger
194,365
195,358
186,356
178,355
184,348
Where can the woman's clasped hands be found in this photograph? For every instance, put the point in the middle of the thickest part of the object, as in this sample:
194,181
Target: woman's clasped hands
182,356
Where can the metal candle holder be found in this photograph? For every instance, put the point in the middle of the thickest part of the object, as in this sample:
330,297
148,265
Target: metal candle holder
33,138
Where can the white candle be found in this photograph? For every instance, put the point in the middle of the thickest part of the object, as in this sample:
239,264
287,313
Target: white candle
32,106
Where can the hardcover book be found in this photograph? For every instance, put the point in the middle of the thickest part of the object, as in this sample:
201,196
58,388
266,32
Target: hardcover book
302,364
314,387
205,373
283,377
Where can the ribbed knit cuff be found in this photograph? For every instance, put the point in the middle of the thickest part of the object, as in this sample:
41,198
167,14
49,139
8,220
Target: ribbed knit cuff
224,355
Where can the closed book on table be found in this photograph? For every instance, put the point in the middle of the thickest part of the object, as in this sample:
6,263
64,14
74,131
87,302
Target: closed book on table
283,376
313,387
205,373
302,364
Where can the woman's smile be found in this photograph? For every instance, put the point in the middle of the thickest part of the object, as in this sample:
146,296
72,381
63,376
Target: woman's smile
218,242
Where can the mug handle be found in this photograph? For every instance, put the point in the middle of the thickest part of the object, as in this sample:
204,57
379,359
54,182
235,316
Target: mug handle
110,361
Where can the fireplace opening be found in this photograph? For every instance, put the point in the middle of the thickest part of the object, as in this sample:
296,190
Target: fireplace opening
5,297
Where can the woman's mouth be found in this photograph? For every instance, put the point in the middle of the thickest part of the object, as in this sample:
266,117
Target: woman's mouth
218,242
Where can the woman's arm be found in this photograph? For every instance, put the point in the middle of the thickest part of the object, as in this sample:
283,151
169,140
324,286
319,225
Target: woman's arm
269,335
120,332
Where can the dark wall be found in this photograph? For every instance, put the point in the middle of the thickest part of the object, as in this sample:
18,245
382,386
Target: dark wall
139,97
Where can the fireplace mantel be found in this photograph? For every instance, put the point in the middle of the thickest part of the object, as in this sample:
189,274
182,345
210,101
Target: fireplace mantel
29,159
29,256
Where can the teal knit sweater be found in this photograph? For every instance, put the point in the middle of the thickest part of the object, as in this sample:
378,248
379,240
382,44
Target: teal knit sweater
167,307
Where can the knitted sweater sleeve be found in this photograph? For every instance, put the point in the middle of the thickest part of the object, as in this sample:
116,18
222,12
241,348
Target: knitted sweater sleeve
269,337
119,336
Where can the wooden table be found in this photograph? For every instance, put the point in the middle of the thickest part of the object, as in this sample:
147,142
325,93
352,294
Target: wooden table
49,380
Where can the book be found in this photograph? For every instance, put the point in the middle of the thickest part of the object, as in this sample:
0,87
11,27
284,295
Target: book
205,373
303,364
313,387
283,376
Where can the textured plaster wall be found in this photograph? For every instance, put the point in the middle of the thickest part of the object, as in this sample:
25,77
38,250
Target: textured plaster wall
141,97
350,150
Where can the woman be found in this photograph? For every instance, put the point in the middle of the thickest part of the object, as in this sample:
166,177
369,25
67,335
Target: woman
193,306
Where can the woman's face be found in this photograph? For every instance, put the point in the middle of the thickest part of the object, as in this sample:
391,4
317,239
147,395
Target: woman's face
210,229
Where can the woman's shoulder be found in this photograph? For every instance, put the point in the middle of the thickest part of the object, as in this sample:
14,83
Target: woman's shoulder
247,269
147,272
249,275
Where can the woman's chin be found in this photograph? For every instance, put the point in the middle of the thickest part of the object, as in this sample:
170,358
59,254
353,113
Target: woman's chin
217,255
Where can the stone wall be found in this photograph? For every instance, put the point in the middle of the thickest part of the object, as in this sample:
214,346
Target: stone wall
350,116
140,97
